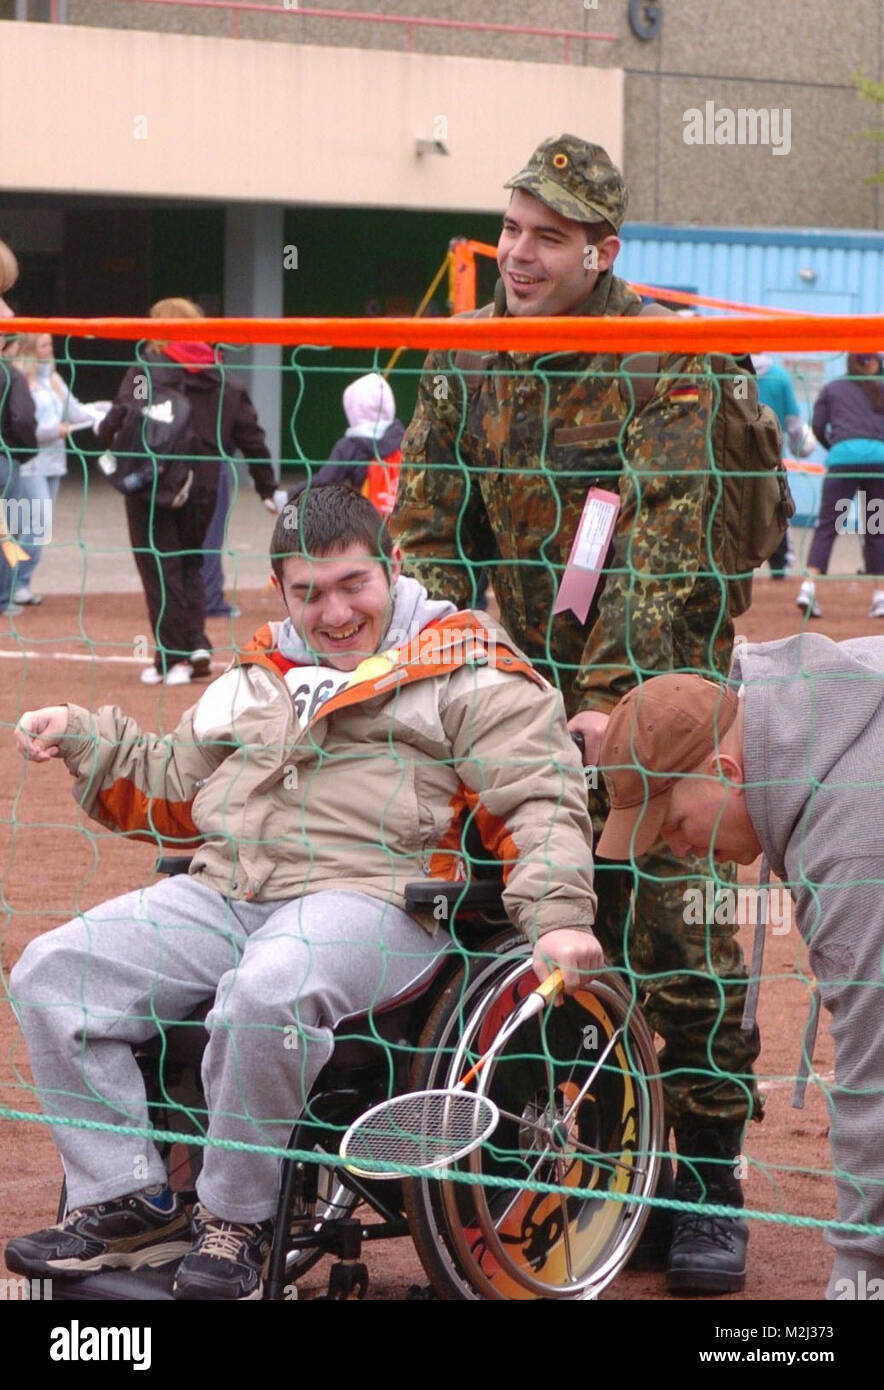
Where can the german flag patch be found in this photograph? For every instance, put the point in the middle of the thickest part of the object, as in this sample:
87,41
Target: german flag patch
685,393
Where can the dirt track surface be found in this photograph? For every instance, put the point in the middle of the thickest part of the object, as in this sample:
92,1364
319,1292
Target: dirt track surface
55,863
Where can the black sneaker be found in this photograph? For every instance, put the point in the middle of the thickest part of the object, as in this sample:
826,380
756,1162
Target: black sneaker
228,1260
201,663
142,1228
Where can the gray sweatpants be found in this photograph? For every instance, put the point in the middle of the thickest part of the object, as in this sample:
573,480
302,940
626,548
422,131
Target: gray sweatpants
282,976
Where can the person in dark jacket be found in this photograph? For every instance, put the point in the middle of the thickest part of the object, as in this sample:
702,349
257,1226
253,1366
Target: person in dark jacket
848,419
168,541
373,434
18,428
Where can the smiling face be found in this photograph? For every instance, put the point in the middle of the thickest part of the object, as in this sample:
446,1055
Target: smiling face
340,603
541,254
707,814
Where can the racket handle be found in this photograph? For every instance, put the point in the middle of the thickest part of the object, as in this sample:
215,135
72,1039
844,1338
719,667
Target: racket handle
551,986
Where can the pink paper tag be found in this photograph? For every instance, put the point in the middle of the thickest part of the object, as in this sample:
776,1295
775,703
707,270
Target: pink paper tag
582,573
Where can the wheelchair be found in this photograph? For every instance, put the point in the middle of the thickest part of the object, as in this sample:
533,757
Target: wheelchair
486,1234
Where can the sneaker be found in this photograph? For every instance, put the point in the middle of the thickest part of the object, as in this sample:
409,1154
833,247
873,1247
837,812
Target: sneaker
143,1228
24,596
179,674
806,600
877,608
227,1261
230,610
12,610
200,663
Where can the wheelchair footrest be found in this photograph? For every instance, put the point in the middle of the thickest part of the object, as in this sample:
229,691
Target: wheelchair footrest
349,1279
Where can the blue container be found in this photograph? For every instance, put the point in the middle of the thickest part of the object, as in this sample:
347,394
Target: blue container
816,272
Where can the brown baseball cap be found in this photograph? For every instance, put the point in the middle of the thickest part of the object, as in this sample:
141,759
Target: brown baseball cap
664,727
576,179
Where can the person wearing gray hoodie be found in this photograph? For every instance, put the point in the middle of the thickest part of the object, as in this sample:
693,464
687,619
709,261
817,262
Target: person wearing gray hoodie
786,760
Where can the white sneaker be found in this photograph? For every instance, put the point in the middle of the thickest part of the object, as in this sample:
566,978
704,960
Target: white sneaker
806,600
24,596
877,608
179,674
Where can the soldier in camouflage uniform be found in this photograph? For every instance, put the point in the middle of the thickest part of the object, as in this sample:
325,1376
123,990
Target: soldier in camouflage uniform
497,463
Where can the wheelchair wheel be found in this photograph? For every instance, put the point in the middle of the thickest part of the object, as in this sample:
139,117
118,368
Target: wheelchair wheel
581,1106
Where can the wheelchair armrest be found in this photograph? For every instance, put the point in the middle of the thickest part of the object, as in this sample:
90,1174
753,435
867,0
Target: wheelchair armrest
172,864
481,892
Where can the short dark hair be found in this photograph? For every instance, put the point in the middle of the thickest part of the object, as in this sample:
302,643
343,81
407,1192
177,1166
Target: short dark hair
595,232
320,519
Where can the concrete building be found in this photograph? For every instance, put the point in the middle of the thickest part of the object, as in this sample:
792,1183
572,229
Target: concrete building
265,159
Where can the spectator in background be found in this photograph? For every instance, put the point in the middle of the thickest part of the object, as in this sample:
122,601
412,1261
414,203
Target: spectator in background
57,409
368,455
168,541
253,445
848,419
775,389
18,430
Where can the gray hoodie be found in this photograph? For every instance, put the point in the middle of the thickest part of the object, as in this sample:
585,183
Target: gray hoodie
814,763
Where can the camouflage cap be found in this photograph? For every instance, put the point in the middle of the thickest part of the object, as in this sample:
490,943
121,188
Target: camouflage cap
576,179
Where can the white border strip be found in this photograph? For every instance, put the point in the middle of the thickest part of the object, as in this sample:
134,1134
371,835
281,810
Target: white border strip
73,656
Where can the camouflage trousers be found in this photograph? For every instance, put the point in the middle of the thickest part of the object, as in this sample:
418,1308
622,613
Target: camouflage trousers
690,981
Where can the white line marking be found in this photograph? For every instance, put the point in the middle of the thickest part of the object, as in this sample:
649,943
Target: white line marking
72,656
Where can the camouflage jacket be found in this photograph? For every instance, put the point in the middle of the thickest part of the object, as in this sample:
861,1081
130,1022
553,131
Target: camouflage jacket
496,468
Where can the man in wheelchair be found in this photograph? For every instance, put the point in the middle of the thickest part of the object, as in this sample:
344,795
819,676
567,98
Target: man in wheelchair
331,764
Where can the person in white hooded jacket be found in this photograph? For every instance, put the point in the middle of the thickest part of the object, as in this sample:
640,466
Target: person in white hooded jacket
373,433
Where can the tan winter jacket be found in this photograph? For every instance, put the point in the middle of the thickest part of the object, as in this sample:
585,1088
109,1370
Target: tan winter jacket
372,794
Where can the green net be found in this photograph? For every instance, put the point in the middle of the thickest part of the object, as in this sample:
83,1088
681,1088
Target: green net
367,880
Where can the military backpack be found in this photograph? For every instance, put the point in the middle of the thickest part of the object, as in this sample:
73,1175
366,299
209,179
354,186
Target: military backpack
749,500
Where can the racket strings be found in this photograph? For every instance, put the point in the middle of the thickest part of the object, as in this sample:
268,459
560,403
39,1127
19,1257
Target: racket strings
422,1128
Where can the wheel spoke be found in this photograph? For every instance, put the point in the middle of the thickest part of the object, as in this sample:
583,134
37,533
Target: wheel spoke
606,1158
578,1100
566,1234
521,1119
519,1195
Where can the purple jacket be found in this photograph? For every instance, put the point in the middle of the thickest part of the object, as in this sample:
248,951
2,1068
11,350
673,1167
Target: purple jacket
843,410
